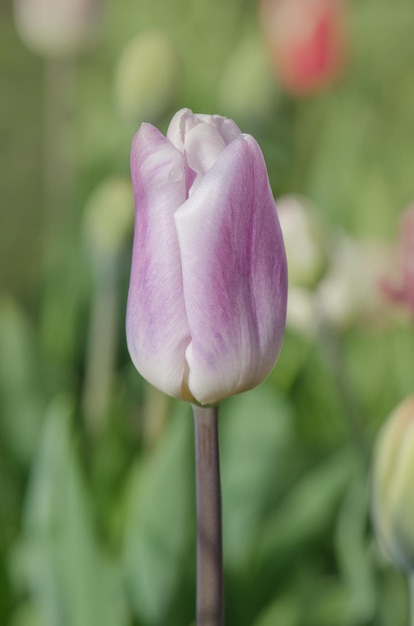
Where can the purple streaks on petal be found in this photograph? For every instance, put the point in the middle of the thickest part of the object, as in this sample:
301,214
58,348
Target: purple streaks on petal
157,328
234,274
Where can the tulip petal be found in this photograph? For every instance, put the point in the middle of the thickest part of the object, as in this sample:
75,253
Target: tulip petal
234,274
157,328
203,145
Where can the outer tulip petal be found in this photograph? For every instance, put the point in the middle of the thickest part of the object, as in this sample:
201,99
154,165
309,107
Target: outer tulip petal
234,274
157,327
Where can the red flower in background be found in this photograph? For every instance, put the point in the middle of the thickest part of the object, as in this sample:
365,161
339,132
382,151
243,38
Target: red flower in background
402,290
306,41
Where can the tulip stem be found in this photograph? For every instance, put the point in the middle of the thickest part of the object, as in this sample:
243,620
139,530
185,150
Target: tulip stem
209,532
410,580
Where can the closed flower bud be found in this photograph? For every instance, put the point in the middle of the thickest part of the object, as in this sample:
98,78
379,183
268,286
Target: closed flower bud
401,290
349,291
306,41
304,241
107,219
246,89
57,27
392,486
207,298
147,76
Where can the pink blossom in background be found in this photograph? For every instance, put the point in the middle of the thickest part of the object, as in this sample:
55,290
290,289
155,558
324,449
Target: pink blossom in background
401,290
307,41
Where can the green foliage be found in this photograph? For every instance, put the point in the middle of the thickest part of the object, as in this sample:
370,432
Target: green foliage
97,505
160,525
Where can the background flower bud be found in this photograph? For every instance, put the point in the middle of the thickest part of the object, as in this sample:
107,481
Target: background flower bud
401,291
57,27
304,240
306,41
349,291
147,77
108,218
392,486
247,90
207,299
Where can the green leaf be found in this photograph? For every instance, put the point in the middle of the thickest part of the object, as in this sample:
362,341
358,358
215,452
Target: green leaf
160,523
21,404
283,611
307,508
255,432
354,559
59,560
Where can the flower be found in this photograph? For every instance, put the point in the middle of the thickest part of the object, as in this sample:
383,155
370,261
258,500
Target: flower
207,298
304,238
392,486
147,77
306,41
403,291
57,27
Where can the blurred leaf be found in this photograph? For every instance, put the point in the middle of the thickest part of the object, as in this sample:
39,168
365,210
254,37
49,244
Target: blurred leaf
353,556
283,611
58,561
368,358
295,352
393,600
160,523
255,430
247,89
306,510
21,405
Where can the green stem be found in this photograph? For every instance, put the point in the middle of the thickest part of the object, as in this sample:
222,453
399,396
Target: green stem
101,350
332,350
59,147
410,580
209,533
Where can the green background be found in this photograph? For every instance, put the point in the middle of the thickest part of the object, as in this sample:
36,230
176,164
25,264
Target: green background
97,506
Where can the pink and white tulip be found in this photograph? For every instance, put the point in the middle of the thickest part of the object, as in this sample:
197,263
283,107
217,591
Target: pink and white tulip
207,298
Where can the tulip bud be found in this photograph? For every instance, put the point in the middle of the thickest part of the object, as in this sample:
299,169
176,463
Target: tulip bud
147,77
301,311
349,291
108,218
246,89
57,27
207,298
306,41
403,291
303,239
392,486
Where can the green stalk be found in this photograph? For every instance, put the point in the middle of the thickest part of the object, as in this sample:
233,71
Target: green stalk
209,531
410,580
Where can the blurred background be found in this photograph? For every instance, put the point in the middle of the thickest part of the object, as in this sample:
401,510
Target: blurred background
97,509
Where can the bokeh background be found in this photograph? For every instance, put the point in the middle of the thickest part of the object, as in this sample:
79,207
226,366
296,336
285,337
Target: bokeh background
97,508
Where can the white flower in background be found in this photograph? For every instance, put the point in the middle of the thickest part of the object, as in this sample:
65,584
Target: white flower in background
338,284
304,240
350,290
57,27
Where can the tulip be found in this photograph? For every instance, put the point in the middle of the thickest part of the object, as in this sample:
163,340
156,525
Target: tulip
304,239
57,27
306,41
392,486
207,298
402,291
147,77
341,299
